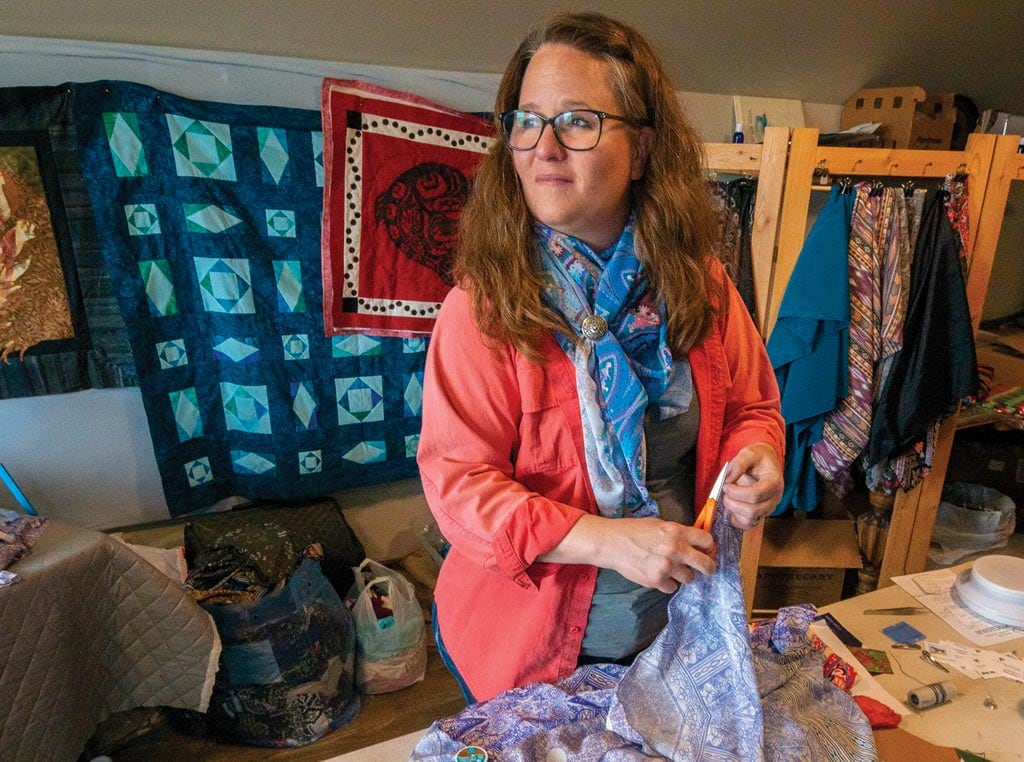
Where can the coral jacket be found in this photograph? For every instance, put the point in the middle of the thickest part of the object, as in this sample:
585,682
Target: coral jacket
502,463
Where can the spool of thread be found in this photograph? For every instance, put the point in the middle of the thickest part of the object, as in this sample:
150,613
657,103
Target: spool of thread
932,694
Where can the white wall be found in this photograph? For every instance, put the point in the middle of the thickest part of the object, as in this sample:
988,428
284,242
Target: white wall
1005,294
87,457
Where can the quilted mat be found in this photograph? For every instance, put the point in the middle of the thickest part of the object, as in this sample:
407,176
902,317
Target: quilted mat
91,629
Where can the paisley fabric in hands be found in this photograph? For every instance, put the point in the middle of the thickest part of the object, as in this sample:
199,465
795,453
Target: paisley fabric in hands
709,688
692,694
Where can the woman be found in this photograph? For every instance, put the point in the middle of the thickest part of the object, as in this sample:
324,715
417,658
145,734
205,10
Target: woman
590,375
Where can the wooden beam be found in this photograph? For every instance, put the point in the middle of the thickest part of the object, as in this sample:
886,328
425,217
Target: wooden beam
750,557
796,197
768,162
1007,165
767,216
913,515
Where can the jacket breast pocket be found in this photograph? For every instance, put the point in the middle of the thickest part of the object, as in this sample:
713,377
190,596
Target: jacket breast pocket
546,442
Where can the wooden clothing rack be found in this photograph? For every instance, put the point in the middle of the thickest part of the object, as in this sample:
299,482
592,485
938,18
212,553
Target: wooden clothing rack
785,167
989,173
767,162
805,156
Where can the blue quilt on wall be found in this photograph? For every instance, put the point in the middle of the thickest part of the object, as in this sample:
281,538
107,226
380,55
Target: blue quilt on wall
209,218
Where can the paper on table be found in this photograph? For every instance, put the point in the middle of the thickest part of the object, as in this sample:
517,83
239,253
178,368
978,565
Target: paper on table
397,748
865,684
977,663
934,589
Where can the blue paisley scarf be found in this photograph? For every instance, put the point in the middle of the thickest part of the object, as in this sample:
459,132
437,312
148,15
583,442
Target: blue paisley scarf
619,373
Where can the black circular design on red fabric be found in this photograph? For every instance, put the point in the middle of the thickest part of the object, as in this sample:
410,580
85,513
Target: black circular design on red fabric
420,212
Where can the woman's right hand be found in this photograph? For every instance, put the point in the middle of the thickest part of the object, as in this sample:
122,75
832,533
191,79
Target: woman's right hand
649,551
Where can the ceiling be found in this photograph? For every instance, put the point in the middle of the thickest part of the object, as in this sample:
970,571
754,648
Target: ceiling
813,51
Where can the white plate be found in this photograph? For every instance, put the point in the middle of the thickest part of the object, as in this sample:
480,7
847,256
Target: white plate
979,600
1001,576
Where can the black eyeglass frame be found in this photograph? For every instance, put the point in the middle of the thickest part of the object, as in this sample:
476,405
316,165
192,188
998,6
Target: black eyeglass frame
546,120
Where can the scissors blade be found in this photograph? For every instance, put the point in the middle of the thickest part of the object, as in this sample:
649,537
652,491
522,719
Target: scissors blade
927,656
716,490
898,610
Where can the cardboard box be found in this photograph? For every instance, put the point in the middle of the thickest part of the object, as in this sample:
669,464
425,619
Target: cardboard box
804,561
910,118
1000,123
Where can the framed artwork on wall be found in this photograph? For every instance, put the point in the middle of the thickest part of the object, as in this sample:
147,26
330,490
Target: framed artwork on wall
40,299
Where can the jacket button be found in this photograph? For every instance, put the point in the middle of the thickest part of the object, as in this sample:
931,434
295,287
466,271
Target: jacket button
574,630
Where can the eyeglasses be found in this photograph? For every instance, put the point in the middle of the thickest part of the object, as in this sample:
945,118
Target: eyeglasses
576,130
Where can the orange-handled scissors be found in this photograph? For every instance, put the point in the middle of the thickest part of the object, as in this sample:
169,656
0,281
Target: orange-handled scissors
707,514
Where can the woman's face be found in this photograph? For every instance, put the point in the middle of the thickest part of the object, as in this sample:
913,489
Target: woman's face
582,193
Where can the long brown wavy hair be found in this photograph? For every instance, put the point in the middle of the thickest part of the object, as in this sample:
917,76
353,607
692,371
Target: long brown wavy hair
497,261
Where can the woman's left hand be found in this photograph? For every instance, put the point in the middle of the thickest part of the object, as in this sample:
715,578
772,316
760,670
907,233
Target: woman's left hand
753,486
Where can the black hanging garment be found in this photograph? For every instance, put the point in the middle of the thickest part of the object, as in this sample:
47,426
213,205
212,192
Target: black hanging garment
734,207
743,194
937,365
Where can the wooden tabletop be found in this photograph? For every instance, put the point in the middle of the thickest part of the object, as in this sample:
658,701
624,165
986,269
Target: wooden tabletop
963,723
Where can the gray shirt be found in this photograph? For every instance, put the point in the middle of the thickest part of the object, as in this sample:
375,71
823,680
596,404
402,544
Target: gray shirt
625,617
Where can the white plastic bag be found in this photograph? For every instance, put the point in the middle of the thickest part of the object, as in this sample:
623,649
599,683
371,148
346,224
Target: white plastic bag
390,632
971,517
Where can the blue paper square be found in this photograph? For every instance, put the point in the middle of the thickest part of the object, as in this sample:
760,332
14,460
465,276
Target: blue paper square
902,632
